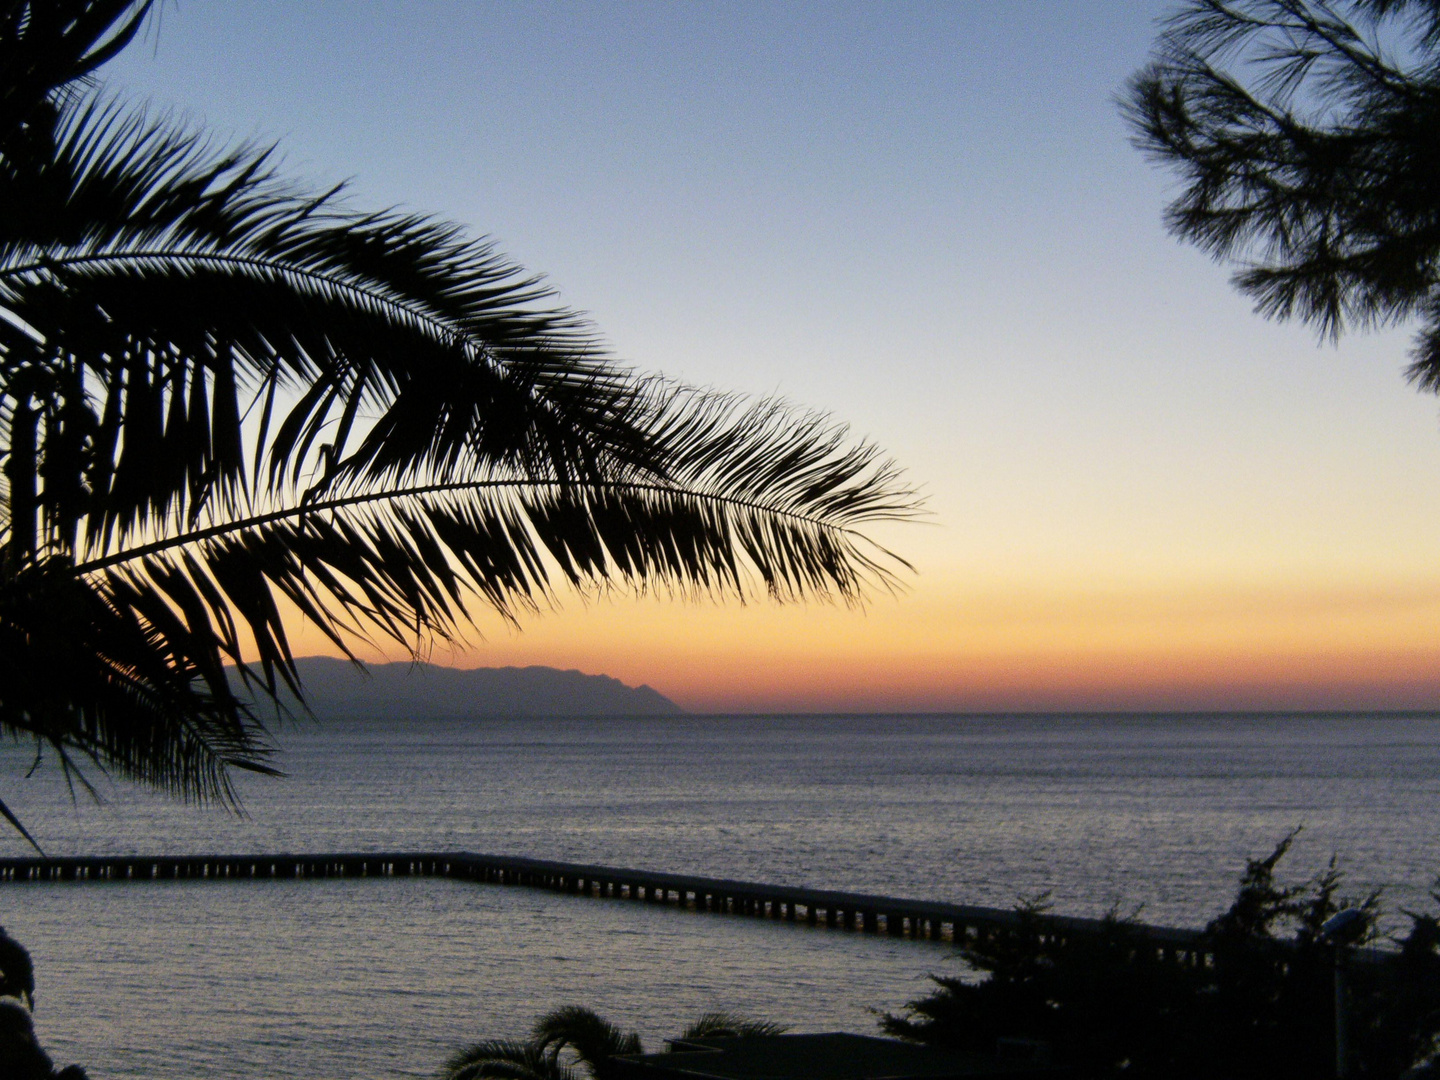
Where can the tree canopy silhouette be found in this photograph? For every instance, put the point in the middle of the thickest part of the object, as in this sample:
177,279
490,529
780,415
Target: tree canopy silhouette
1307,137
224,395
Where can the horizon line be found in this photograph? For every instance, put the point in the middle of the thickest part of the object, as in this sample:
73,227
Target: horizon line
1022,713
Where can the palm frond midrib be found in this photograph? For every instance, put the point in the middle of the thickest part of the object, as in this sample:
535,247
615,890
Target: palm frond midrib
441,327
196,536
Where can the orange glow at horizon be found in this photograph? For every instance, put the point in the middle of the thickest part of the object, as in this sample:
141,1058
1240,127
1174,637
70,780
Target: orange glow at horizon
996,648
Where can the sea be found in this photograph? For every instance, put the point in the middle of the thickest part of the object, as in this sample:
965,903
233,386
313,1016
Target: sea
339,979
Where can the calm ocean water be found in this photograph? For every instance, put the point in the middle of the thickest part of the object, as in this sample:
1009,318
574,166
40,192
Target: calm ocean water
383,978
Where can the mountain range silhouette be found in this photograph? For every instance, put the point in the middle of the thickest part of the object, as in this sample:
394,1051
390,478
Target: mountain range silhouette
336,689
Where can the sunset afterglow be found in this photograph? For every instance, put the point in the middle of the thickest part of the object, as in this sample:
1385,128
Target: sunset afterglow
927,221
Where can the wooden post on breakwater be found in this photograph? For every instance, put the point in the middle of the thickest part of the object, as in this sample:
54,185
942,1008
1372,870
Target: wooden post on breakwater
917,919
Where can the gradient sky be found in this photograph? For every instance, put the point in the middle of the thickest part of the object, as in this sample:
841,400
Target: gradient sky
926,220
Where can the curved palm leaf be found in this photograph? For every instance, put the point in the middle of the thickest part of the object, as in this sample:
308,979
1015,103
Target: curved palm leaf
84,673
505,1059
219,394
45,46
730,1025
592,1039
198,291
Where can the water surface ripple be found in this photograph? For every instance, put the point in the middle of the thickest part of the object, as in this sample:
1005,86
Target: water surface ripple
383,978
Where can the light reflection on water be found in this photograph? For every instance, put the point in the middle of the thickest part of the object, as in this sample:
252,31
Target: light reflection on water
384,978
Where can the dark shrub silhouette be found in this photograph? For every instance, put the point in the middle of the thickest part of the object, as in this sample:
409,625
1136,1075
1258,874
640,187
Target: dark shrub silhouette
1109,1005
21,1057
17,973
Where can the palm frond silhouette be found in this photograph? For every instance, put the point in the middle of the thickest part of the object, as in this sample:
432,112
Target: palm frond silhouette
506,1059
592,1040
713,1025
225,398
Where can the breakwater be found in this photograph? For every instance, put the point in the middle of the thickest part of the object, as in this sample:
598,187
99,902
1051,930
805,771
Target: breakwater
955,924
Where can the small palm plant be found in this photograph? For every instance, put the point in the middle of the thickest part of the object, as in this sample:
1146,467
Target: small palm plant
573,1042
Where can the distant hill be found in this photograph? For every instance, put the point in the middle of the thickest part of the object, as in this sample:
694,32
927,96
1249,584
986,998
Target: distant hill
405,691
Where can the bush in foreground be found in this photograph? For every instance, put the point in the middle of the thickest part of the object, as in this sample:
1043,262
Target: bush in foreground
1110,1005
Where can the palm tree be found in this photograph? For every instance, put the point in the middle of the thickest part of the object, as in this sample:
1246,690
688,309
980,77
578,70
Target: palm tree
576,1037
223,396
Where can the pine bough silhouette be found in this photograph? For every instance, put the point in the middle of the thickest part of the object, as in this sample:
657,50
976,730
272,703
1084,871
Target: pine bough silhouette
1303,133
224,397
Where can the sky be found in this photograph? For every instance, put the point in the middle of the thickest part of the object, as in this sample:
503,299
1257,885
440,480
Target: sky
927,221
